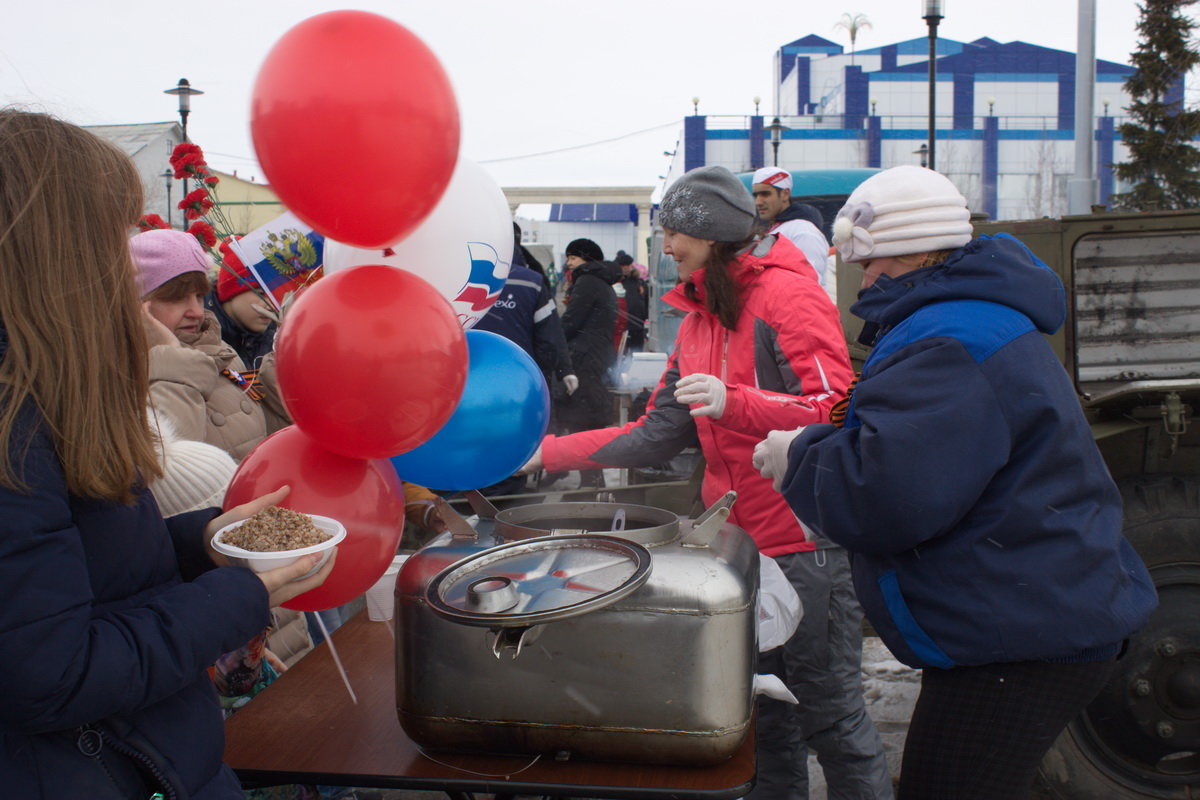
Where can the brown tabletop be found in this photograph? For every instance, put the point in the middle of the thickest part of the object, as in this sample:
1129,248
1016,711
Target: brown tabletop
305,729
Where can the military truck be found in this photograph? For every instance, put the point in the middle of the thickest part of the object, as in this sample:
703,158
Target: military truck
1131,343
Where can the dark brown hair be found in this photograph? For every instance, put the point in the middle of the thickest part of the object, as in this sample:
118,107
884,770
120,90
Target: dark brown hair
181,286
69,305
722,296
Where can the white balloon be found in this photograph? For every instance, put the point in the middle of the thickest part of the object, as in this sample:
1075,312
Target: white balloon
463,248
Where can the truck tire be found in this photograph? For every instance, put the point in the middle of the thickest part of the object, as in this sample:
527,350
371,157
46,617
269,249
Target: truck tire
1141,737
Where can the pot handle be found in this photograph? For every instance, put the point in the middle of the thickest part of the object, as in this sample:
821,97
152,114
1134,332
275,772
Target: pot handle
481,505
459,528
705,527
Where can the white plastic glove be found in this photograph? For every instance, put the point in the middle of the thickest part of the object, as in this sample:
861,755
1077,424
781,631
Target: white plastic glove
706,392
771,455
571,382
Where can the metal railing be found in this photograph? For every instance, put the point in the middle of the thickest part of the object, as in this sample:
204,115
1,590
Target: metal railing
916,122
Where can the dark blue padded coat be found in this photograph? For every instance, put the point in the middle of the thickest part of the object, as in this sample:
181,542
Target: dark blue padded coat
983,523
109,618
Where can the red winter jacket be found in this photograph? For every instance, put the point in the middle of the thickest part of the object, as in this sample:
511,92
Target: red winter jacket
784,366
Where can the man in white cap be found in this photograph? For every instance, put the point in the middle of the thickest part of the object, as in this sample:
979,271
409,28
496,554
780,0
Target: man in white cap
799,222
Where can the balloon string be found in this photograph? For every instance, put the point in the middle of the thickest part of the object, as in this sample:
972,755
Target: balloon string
336,659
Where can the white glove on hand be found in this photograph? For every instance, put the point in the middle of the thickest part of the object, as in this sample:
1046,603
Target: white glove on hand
771,455
706,392
571,382
534,464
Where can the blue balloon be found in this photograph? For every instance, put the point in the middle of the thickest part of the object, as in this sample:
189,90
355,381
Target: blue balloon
497,426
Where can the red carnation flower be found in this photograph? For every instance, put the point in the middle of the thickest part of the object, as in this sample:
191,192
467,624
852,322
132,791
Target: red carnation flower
151,222
190,165
204,233
212,180
188,159
196,204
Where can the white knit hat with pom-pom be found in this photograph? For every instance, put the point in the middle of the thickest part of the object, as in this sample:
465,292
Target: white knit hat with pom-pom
900,211
195,474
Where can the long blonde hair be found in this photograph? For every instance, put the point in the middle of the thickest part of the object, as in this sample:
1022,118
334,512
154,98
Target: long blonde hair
68,304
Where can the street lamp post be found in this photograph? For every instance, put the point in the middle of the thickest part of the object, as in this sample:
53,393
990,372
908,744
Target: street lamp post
933,15
184,91
776,128
168,177
695,106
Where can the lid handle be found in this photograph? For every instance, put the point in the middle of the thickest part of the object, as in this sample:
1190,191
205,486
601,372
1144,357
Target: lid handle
705,527
512,639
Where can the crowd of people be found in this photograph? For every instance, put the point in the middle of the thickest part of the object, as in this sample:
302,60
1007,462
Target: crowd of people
952,489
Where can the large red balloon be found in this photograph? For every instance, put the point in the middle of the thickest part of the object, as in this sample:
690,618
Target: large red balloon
355,125
365,496
371,361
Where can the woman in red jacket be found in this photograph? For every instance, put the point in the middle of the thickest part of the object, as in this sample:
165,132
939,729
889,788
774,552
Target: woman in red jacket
761,347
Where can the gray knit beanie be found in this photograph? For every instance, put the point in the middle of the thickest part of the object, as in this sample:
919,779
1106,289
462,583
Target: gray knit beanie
708,203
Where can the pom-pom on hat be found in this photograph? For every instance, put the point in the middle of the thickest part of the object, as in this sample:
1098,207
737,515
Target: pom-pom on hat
162,254
708,203
585,249
773,176
901,211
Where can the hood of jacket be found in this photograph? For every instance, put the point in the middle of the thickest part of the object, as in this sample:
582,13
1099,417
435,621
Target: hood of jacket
804,211
998,269
607,271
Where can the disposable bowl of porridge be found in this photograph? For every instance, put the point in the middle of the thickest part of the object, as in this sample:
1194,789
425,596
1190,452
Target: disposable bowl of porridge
275,537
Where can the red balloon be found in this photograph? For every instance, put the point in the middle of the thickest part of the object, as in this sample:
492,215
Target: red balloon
365,496
371,361
355,125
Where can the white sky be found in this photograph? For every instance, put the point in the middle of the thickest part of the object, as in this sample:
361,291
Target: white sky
530,75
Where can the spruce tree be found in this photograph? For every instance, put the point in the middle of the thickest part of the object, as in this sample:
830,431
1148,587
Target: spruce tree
1163,163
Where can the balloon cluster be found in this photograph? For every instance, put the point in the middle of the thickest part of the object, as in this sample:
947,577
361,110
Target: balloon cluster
355,124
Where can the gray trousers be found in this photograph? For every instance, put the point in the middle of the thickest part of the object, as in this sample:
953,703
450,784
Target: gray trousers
821,664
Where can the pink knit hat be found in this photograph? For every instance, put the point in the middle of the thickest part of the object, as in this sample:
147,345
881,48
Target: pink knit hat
162,254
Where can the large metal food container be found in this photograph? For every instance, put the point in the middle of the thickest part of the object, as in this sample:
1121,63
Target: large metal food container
598,630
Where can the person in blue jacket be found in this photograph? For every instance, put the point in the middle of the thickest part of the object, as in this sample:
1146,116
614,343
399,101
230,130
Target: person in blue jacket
109,614
984,527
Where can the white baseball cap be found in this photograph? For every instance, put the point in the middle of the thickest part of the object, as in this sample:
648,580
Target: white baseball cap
774,176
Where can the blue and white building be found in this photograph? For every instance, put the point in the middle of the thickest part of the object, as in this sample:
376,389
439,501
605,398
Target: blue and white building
1005,118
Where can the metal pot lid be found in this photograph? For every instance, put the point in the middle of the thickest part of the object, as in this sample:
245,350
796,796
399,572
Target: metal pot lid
533,581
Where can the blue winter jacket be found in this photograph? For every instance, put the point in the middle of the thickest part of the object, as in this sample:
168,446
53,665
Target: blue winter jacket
525,315
104,643
983,522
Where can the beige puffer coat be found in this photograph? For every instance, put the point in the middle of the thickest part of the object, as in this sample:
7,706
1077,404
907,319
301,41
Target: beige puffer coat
187,385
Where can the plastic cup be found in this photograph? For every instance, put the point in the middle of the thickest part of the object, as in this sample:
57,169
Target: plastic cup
381,597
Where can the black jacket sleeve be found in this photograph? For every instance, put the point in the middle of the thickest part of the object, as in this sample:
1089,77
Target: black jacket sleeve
549,344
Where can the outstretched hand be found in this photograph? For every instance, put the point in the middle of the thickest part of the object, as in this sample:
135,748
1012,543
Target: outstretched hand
534,464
